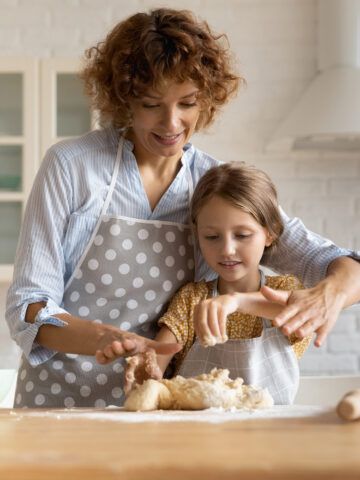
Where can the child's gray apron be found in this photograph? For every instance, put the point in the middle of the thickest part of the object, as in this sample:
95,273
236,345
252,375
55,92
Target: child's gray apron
126,275
265,361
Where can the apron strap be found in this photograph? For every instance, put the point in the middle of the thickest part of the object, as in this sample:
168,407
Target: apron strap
103,211
265,321
114,177
196,254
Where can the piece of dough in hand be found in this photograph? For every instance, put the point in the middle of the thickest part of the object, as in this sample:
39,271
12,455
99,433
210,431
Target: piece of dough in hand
214,389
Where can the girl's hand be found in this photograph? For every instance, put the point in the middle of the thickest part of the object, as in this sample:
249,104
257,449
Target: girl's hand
210,318
307,311
130,344
139,368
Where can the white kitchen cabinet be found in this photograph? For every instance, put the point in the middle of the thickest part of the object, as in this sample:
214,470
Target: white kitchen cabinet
64,108
41,102
19,123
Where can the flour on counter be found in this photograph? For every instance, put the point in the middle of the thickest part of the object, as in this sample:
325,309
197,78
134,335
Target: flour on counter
211,415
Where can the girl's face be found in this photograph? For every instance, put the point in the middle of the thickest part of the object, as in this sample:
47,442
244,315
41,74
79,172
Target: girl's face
232,242
164,121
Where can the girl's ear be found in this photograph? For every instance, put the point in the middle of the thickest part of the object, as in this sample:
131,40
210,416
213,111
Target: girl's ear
269,239
194,227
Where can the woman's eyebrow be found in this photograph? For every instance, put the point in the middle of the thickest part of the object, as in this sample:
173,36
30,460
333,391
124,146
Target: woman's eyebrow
190,94
159,98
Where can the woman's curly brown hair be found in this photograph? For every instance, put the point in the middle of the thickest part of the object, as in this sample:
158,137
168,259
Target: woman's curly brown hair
148,48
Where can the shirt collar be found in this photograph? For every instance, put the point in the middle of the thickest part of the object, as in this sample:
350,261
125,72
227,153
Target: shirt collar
187,156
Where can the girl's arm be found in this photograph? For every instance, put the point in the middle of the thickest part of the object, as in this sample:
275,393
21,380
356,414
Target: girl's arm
210,315
165,336
144,366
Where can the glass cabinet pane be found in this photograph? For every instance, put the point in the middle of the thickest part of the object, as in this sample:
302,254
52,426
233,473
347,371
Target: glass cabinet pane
11,100
10,221
10,167
73,113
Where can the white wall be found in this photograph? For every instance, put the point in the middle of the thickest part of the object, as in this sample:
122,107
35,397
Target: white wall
275,45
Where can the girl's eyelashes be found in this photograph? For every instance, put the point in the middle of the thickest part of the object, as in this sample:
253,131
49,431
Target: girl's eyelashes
243,236
239,236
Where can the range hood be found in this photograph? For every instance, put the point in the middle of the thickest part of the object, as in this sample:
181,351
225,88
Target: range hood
327,115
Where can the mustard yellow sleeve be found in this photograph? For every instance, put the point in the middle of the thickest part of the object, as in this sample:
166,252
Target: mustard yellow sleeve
290,282
177,317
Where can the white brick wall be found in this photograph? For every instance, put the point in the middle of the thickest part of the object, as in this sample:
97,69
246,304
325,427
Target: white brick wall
275,45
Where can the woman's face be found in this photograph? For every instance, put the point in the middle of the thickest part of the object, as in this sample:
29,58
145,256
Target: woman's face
164,121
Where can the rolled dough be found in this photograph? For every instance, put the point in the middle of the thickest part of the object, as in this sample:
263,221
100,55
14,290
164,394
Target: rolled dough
214,389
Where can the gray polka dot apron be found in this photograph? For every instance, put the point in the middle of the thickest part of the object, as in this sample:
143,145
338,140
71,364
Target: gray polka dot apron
125,277
265,361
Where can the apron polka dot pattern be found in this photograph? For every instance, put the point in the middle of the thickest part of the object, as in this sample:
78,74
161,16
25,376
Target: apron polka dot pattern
125,278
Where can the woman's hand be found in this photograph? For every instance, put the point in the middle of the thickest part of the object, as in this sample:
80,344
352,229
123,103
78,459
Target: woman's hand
130,344
139,368
316,309
307,311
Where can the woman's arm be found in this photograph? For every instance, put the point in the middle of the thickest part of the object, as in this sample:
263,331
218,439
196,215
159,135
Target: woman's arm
316,309
89,338
303,253
330,272
40,261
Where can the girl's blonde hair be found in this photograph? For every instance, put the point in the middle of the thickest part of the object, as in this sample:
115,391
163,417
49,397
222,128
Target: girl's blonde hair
243,186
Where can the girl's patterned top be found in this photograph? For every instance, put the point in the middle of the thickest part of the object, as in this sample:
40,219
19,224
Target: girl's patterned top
179,316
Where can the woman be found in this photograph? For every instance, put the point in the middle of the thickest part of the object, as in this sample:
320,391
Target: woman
105,241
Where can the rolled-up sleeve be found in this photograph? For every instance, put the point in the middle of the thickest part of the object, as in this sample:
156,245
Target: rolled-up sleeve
303,253
39,265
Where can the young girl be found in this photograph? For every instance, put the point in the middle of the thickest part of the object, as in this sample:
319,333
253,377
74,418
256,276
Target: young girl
235,217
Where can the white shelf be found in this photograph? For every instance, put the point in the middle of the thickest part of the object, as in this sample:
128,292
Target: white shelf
11,196
11,140
6,273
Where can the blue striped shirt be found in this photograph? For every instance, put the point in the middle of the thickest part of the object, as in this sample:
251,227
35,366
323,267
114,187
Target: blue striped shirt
63,209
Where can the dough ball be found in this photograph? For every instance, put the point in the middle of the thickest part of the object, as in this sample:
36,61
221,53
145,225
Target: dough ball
214,389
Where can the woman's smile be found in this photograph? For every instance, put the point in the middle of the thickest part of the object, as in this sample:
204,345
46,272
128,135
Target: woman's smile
167,139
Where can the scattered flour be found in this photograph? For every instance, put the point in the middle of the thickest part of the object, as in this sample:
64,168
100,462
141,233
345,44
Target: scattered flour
211,415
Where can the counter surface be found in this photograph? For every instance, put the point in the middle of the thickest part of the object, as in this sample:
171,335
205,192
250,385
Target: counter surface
283,443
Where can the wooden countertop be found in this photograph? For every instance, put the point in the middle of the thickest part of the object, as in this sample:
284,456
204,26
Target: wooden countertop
60,444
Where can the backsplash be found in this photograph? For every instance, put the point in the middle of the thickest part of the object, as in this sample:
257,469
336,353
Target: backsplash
275,46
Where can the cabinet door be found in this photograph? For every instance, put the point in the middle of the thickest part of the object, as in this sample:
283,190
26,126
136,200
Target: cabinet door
18,150
65,110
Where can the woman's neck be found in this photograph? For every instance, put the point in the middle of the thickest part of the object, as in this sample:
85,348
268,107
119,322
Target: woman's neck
156,173
250,283
164,167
